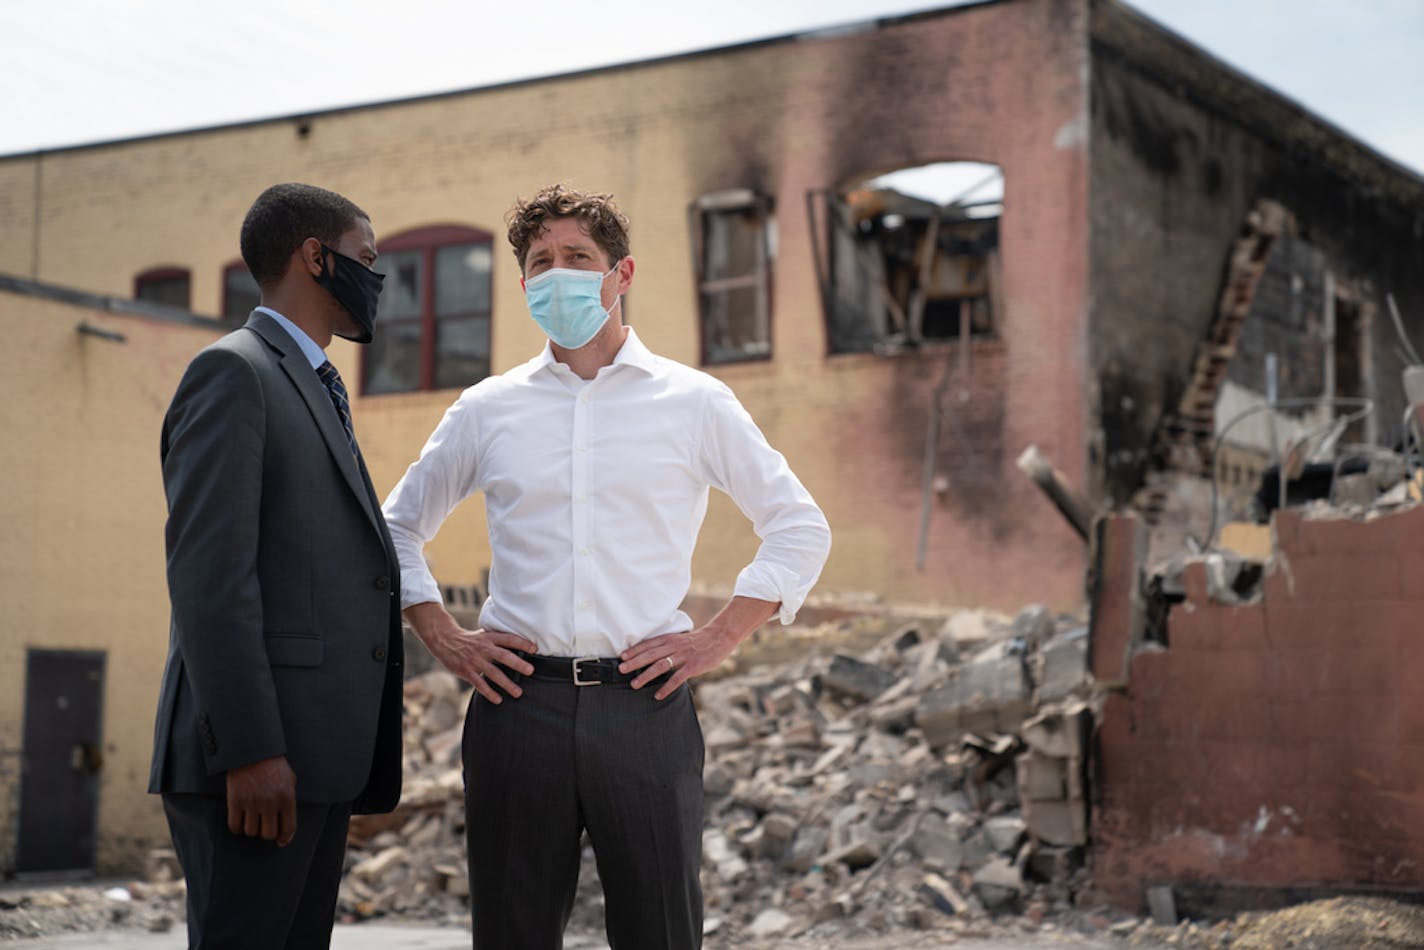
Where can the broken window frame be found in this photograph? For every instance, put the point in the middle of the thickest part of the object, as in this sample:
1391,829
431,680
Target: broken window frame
735,201
852,327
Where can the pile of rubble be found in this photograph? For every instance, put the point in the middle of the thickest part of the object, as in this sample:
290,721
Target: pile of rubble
874,782
411,862
155,905
932,779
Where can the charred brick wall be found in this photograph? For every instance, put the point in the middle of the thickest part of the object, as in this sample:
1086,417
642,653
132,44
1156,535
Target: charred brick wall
1276,745
996,82
1182,149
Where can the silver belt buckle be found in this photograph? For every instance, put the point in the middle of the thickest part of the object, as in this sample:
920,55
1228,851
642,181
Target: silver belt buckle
578,678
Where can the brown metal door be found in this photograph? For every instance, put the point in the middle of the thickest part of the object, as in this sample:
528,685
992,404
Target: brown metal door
61,759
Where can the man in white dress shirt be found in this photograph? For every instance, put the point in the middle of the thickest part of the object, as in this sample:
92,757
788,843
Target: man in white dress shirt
595,460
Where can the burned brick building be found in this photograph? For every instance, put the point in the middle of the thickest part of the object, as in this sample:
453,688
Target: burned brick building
1116,197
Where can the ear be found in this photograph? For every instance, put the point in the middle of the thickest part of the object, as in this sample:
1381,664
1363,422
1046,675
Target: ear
312,256
625,274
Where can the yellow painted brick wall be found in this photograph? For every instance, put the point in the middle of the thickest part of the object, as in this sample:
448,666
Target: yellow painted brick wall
1001,82
82,566
17,217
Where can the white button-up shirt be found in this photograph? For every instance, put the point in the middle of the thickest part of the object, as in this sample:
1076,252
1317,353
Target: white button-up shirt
594,494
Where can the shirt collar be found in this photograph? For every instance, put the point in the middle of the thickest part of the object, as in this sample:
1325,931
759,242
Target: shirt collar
314,354
631,353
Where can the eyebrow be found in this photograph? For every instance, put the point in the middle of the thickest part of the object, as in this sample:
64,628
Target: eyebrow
568,246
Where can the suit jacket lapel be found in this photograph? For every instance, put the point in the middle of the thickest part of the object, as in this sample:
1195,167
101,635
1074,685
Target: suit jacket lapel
318,402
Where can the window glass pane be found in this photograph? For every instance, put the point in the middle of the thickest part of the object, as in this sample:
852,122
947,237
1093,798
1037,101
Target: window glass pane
403,291
240,295
393,358
172,291
462,352
734,284
733,325
732,243
462,279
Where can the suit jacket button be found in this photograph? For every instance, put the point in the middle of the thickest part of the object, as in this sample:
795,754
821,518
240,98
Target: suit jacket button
383,583
379,653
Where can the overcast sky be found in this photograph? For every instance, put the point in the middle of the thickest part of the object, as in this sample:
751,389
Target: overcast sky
81,71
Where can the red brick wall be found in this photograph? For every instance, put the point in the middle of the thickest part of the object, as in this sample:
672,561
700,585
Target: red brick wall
1278,744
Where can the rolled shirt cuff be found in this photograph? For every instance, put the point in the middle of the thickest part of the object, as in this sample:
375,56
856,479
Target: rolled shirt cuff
774,583
419,587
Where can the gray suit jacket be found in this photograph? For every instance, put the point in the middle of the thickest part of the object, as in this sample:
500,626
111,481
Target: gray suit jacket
285,635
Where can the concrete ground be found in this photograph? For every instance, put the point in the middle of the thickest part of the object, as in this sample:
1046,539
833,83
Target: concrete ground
398,937
346,937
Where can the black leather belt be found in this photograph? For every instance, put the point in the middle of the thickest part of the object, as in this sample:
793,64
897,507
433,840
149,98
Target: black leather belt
581,670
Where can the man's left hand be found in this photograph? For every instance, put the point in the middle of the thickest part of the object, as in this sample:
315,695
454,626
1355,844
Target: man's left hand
681,656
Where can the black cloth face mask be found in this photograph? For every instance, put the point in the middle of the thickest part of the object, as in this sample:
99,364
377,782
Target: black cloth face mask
357,288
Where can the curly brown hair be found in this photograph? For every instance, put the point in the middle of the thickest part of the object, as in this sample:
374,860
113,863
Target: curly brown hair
596,213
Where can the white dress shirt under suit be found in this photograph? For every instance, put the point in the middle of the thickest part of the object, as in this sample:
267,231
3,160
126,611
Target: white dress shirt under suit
595,491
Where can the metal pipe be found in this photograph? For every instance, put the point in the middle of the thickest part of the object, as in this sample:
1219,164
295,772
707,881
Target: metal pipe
88,329
1053,483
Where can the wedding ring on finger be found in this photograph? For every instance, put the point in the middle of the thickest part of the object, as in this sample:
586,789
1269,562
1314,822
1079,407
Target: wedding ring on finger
671,665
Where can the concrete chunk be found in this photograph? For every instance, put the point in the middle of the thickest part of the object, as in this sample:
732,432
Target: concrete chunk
1005,832
770,923
856,679
1061,666
1059,823
1163,905
376,867
1034,623
1046,778
862,851
807,847
988,695
937,846
998,883
1057,732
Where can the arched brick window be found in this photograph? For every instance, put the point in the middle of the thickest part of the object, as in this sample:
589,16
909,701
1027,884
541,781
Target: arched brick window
166,285
433,325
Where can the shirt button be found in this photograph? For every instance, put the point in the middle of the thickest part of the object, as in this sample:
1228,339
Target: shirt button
379,653
583,446
583,397
583,551
585,605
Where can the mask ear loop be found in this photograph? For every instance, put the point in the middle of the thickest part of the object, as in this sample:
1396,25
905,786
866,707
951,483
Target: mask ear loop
617,297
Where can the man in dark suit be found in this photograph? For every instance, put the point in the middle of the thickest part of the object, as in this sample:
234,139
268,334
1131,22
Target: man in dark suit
279,713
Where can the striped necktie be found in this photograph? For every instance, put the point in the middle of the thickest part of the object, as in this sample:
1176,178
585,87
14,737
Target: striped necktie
337,392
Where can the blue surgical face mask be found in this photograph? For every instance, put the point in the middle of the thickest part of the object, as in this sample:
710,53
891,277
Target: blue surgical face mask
568,304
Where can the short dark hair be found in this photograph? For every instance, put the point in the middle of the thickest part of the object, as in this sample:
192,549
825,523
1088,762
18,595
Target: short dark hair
596,214
283,217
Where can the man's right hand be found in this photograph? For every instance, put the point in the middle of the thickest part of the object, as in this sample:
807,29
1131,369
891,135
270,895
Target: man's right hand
262,800
477,656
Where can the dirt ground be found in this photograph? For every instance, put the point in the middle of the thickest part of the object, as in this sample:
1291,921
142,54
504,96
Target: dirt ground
151,917
74,916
